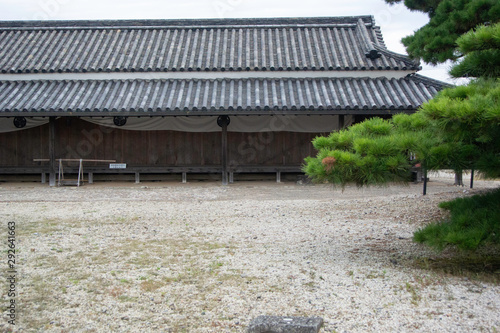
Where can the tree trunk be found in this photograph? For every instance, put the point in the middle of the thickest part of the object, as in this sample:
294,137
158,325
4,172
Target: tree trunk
458,178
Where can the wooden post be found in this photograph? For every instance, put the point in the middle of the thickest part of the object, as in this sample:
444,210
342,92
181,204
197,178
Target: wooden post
223,122
224,154
341,121
52,151
459,178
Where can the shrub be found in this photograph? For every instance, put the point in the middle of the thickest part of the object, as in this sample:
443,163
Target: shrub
473,222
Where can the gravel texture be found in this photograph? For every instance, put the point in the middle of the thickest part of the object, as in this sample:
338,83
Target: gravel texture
200,257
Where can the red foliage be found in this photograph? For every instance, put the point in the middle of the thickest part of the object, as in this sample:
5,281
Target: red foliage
329,163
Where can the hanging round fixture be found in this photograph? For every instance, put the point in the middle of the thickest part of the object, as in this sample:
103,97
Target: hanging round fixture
119,120
223,120
19,122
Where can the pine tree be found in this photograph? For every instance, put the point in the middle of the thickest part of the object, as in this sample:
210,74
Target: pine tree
435,42
481,50
458,129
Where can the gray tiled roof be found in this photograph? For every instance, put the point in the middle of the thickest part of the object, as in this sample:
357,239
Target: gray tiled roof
228,96
345,43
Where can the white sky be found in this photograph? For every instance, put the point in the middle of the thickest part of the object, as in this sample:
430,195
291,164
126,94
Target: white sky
395,21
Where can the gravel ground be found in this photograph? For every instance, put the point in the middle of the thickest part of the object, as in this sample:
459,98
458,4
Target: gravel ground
200,257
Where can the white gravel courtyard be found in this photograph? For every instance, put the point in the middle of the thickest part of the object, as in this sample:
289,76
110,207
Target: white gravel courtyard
200,257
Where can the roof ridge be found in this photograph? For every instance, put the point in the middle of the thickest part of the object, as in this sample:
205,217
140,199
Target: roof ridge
395,55
430,81
144,23
366,78
370,50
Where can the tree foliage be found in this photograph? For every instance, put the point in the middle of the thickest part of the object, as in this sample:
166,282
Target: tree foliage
482,53
435,42
375,151
467,119
472,223
458,129
426,6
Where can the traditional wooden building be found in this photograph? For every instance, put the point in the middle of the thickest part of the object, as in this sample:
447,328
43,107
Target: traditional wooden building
192,96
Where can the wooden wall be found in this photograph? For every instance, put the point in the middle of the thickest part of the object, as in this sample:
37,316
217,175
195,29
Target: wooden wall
21,147
76,138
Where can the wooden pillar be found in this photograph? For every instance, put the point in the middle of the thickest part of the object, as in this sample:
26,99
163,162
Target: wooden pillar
224,154
223,122
341,121
52,151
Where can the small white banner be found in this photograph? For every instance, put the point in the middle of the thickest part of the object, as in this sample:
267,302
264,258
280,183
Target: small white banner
118,166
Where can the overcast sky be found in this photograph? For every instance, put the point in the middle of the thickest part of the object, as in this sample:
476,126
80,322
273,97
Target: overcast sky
395,21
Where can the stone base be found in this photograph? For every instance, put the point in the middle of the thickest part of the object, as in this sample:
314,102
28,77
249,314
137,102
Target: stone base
275,324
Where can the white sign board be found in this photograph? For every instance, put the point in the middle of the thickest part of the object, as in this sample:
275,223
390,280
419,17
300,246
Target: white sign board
118,166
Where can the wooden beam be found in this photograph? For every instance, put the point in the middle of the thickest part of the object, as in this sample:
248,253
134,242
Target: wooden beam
236,112
72,160
52,151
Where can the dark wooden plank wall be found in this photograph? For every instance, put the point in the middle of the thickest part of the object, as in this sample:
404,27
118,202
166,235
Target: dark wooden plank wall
80,139
20,147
